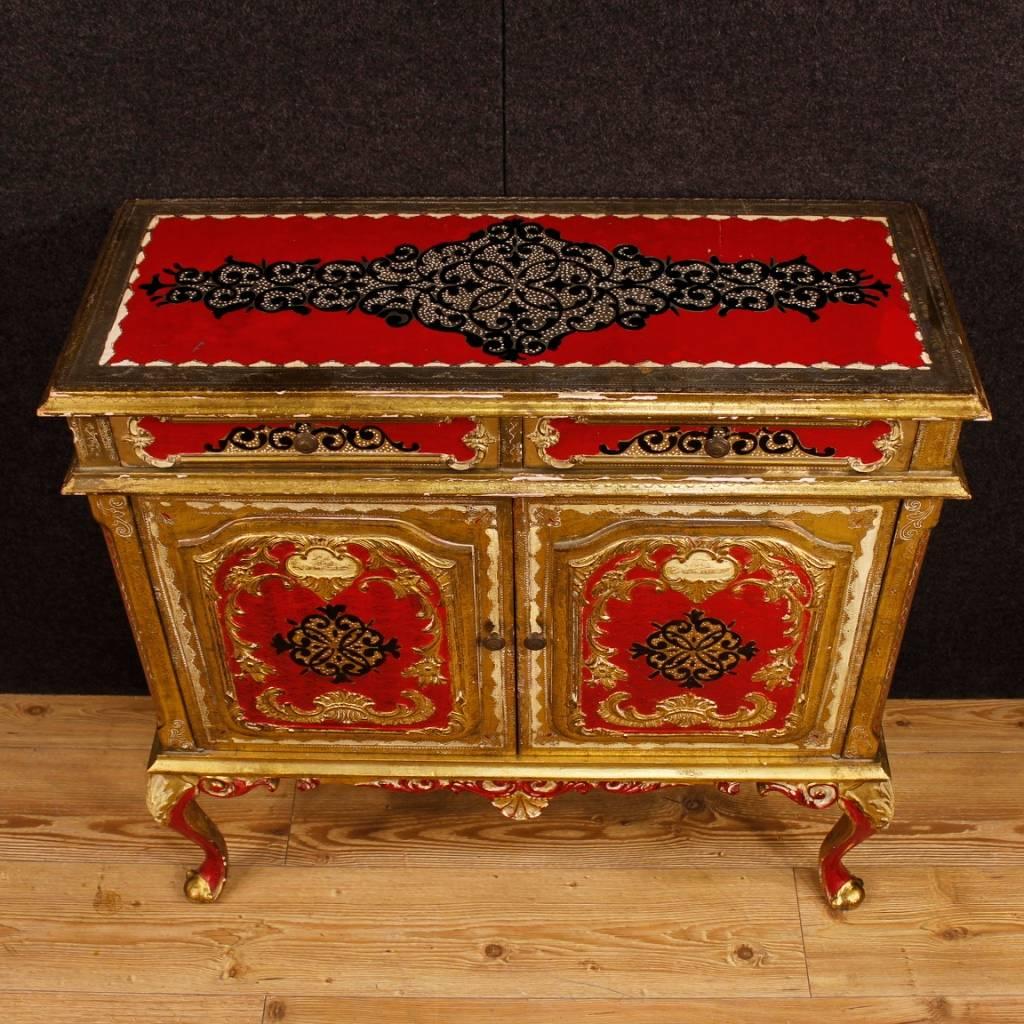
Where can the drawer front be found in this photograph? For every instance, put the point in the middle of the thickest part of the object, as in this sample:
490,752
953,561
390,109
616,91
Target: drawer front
355,626
861,447
706,626
451,443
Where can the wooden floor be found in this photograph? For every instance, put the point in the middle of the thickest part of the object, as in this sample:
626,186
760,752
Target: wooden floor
357,905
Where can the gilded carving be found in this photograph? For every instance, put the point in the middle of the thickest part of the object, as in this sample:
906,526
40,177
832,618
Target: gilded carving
685,710
545,436
88,436
714,569
177,736
862,742
700,573
346,707
140,439
518,799
482,515
888,444
322,570
117,513
171,800
712,442
326,566
916,515
512,428
545,517
808,794
479,441
874,797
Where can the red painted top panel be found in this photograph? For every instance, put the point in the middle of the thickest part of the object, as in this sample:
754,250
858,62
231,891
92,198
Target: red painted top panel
459,290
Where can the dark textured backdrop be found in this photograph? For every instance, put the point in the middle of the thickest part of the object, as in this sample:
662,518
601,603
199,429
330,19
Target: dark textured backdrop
103,101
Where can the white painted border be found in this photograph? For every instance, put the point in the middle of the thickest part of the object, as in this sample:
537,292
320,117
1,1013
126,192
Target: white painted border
115,330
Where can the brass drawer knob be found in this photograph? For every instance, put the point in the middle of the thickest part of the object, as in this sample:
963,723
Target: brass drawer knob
717,445
535,642
305,442
493,641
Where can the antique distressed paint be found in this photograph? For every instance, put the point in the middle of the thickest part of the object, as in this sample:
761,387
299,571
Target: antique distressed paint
518,497
213,290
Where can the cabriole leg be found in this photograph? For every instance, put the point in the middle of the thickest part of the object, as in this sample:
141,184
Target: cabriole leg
867,808
172,802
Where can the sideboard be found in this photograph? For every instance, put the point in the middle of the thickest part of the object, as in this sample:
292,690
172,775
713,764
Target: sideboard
518,497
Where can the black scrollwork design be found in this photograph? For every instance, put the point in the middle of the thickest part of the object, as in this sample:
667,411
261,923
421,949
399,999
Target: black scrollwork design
693,650
694,442
366,438
334,643
516,288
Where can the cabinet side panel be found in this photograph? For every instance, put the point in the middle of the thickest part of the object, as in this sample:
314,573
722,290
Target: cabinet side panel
913,528
116,516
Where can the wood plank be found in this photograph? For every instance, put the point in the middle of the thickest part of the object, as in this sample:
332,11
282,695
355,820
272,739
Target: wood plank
939,817
861,1010
86,1008
955,726
89,805
954,809
921,931
32,720
346,932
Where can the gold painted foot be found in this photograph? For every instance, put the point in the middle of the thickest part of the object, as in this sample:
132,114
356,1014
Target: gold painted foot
867,808
171,801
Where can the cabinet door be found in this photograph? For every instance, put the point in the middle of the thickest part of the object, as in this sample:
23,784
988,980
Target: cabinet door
351,625
710,626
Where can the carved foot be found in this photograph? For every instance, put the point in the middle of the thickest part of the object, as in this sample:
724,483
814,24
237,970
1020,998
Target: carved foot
171,801
867,808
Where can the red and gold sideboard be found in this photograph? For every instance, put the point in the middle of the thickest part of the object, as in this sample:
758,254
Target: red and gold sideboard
518,497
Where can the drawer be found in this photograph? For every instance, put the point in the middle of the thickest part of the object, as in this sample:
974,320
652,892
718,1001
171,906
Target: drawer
457,443
359,627
655,629
857,447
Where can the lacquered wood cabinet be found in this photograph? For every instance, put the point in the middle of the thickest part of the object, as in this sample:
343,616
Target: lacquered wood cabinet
499,496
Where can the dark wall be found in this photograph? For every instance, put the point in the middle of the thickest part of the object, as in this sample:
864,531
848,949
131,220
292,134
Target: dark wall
103,101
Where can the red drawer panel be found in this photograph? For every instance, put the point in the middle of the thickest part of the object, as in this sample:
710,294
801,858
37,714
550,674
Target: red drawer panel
456,443
562,443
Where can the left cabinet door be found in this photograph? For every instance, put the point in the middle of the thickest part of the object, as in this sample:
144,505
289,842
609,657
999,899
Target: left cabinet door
355,626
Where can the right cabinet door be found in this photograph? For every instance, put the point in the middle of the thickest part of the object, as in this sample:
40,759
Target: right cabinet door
668,628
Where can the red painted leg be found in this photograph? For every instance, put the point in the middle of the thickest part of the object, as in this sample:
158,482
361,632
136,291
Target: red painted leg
867,808
171,800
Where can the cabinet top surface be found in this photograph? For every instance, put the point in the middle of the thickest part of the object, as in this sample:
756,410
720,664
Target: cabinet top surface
198,305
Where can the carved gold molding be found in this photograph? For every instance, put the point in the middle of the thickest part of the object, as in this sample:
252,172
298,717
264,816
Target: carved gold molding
347,708
93,438
140,439
874,797
916,518
889,444
545,436
479,441
699,567
518,799
684,710
117,515
326,566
